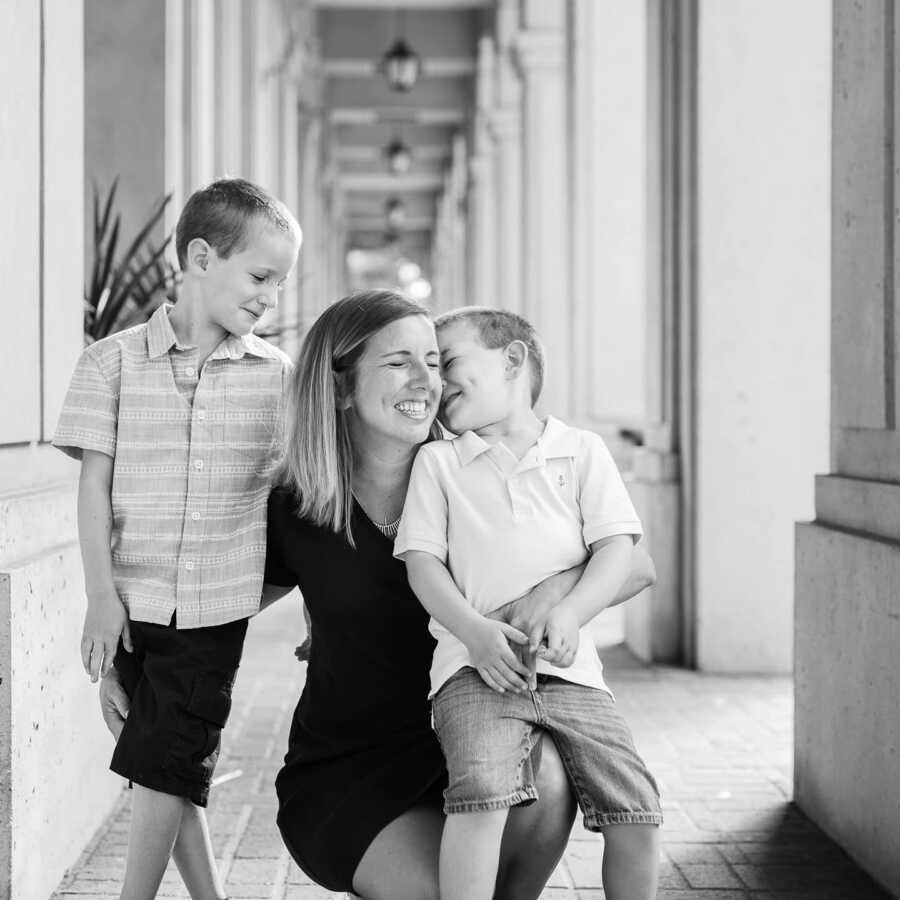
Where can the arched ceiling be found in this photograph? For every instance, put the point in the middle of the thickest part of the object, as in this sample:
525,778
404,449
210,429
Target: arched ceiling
363,114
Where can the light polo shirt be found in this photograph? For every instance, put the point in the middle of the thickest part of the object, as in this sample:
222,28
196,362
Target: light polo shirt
501,525
194,449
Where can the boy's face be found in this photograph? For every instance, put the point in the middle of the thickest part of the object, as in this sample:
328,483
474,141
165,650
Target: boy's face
239,289
476,385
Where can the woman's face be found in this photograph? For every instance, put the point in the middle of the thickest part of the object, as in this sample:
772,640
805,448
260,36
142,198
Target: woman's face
398,385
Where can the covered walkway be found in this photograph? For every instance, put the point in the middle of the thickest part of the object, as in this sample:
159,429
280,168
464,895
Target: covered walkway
720,747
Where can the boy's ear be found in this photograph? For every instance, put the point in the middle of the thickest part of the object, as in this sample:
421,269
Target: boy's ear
198,254
516,358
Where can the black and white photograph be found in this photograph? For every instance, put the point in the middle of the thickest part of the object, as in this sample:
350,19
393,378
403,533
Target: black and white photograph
450,450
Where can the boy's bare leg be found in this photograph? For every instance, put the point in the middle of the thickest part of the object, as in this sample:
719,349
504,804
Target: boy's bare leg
630,861
470,853
155,820
193,854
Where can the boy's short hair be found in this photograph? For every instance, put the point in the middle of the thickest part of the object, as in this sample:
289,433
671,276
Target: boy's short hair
221,213
497,328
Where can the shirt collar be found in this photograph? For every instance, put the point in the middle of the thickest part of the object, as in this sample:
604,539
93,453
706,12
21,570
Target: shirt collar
161,339
556,440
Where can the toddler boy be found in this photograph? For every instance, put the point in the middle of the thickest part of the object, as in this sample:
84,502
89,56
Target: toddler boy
177,426
509,502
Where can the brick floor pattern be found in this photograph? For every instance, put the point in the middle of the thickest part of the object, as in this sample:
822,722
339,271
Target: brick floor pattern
720,748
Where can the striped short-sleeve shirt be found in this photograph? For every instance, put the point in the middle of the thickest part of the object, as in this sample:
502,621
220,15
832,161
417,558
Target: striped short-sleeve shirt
194,449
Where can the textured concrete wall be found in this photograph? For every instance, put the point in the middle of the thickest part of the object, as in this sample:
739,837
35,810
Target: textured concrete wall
762,317
847,620
54,745
847,750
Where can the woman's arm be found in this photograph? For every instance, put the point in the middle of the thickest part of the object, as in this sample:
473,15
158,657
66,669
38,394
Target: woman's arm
529,612
271,593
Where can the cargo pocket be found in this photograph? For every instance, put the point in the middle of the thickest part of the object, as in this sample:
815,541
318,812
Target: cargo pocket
205,716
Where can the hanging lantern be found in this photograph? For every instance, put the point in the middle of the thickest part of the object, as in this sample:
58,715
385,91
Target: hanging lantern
399,157
395,214
401,66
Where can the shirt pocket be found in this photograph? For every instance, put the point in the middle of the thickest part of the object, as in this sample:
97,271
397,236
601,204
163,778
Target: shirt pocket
252,419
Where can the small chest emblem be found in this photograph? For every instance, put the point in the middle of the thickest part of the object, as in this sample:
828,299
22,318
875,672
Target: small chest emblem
561,481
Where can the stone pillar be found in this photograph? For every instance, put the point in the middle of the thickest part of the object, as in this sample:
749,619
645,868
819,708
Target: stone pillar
847,612
52,741
659,622
506,128
482,219
228,78
541,58
760,408
608,189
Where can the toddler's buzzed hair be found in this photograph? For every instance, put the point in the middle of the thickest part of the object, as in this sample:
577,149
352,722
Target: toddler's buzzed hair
498,328
222,212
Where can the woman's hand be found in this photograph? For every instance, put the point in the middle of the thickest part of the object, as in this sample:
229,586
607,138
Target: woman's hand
489,650
114,702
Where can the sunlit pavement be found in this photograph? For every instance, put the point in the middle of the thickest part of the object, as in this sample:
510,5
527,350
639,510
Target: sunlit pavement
720,748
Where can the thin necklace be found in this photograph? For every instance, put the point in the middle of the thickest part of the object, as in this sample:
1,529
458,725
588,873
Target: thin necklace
388,529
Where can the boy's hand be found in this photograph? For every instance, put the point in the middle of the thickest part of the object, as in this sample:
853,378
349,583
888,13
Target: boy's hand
560,638
529,615
105,622
492,656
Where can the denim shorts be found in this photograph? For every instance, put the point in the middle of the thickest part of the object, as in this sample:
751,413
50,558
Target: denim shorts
488,738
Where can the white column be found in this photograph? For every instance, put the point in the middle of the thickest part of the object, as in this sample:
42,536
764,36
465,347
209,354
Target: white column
762,292
506,129
482,220
608,211
229,74
541,57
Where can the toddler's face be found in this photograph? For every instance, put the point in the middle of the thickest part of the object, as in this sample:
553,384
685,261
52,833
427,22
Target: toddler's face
242,287
476,387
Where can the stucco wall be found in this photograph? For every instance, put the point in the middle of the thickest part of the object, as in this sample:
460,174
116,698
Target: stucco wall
762,314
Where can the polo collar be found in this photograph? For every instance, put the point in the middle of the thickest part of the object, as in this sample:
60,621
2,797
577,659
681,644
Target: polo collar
556,440
161,339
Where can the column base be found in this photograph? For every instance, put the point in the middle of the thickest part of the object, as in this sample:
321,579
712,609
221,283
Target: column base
847,681
653,619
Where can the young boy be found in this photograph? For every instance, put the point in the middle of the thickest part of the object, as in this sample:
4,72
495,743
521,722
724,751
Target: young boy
509,502
176,423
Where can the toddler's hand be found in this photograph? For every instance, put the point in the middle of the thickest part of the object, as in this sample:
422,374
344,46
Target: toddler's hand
105,622
560,638
492,656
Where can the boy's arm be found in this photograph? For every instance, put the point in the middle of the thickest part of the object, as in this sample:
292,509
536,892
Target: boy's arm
487,640
529,612
106,618
604,576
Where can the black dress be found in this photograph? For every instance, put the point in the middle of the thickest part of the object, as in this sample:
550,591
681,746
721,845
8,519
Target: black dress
361,748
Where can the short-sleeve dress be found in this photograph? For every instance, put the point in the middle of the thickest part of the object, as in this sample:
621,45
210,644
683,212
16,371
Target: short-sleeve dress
361,749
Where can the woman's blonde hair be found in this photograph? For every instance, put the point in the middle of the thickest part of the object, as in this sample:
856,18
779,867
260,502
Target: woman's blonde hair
318,458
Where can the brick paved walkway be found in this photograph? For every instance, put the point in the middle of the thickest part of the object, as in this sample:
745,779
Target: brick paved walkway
720,747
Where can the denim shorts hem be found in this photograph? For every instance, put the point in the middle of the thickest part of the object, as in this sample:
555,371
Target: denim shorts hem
596,821
514,798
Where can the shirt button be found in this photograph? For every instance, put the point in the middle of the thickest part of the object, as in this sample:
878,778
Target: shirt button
201,414
198,464
195,516
190,371
189,566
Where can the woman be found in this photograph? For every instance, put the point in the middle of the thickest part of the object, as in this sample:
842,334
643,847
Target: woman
360,791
